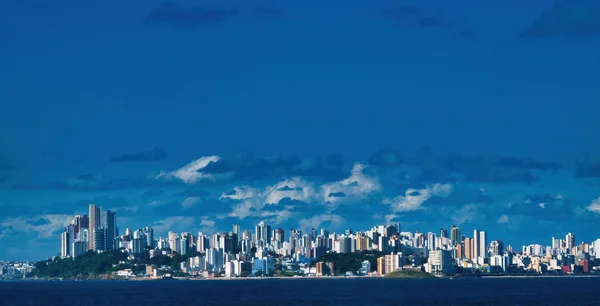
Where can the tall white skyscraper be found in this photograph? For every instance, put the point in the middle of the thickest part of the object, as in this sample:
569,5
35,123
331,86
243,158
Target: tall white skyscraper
202,243
64,245
569,242
597,248
431,245
482,244
476,244
556,243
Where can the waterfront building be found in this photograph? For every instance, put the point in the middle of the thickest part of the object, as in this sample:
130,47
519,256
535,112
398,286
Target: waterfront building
440,262
95,223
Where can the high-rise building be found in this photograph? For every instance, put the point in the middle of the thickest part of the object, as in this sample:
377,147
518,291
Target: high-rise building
95,217
64,244
279,235
79,222
440,262
172,237
497,248
110,229
236,229
393,262
214,257
455,235
365,267
556,243
99,239
569,242
184,247
476,244
443,233
460,250
149,236
468,248
483,244
202,243
230,243
344,243
262,234
597,248
79,247
381,265
431,241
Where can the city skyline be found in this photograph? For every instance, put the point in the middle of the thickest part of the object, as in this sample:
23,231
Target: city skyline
476,248
301,114
247,252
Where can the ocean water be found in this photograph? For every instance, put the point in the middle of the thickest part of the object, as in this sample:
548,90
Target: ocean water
359,291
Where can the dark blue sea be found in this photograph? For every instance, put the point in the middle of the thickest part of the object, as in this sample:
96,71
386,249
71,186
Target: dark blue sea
359,291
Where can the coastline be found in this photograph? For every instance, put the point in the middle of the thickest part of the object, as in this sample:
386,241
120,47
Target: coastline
456,277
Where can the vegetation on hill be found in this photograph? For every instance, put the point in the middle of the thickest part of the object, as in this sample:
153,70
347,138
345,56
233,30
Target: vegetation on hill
345,262
409,274
92,265
88,265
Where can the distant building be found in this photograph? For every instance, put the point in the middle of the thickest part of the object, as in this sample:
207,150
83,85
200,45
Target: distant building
64,245
483,244
468,248
365,267
79,248
95,222
99,241
324,268
497,248
110,229
440,262
389,263
455,235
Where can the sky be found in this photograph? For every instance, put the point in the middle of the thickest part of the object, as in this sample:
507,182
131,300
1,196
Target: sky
199,114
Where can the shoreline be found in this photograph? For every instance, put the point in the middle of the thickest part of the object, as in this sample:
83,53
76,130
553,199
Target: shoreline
456,277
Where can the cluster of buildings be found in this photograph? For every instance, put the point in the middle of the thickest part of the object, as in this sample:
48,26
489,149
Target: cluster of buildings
258,252
14,270
95,231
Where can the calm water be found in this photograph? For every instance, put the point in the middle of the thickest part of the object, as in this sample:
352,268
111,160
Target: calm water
537,291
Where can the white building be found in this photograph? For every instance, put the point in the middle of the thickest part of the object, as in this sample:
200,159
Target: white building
440,262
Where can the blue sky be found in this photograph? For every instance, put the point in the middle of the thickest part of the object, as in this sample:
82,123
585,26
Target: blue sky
194,115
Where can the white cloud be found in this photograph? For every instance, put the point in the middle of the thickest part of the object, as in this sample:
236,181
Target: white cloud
43,225
318,220
295,188
253,200
389,218
542,205
130,208
503,219
414,198
190,202
594,206
176,223
240,193
190,173
466,213
207,222
207,225
356,187
157,203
